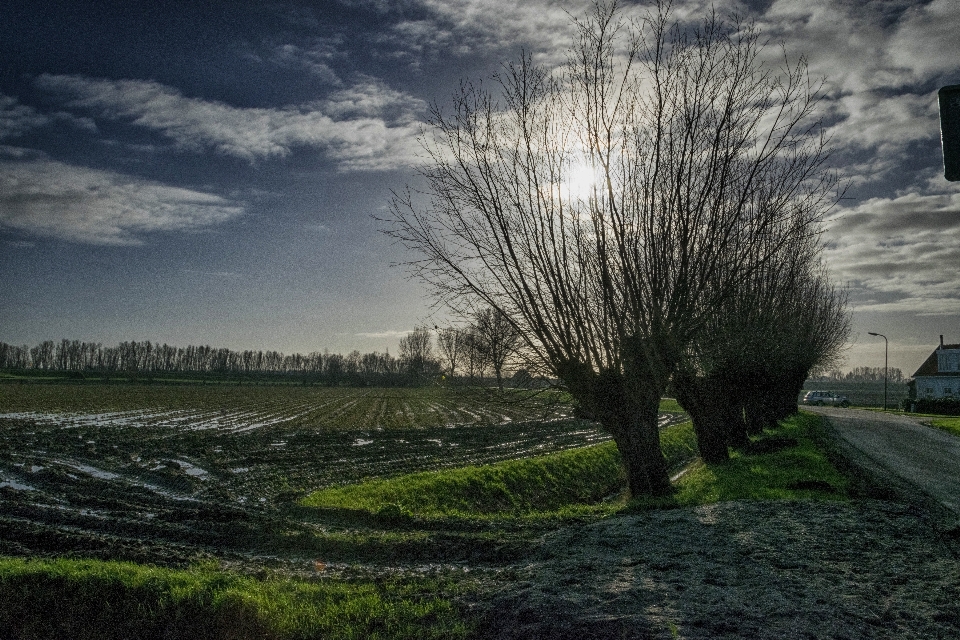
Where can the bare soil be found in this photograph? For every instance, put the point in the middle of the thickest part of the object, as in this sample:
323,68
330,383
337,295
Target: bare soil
777,570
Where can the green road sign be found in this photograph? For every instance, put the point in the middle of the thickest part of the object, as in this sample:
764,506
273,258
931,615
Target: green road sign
950,130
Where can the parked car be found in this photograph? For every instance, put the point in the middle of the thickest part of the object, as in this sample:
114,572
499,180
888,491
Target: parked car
826,398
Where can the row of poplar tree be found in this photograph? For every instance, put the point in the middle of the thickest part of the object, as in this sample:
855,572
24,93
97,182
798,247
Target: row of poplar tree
475,352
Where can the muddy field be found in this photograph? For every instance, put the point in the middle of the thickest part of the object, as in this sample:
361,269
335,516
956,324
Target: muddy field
167,474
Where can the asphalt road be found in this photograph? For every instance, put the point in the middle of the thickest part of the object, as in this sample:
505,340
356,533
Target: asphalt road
926,457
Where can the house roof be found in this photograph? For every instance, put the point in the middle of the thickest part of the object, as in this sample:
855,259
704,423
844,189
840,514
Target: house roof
929,366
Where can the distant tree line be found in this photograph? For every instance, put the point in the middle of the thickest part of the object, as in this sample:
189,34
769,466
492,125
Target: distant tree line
860,374
473,353
148,358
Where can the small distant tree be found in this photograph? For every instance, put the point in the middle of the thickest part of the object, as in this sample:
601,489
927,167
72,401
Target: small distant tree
474,355
452,349
416,351
497,339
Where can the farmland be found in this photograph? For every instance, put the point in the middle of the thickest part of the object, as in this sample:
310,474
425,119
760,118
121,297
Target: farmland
171,473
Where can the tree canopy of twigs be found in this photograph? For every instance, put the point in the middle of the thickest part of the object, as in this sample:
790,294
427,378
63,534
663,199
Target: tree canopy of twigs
609,207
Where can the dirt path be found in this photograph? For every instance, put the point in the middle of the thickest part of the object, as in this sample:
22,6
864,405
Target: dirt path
927,458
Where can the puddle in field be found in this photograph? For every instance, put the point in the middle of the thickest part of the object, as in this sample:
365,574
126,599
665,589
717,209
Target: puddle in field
93,471
192,470
16,486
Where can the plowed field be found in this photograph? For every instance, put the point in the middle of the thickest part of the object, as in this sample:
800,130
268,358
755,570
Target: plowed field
164,473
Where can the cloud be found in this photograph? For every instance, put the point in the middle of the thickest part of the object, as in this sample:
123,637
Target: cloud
472,27
925,40
90,206
886,123
900,254
17,119
370,98
390,333
214,274
313,59
879,59
366,127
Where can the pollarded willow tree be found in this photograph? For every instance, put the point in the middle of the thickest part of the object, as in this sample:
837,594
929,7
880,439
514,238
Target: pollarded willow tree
744,372
607,206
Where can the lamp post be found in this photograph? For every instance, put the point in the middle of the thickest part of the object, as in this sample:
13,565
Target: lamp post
885,345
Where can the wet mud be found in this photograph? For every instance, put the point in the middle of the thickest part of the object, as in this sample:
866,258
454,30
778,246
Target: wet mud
176,482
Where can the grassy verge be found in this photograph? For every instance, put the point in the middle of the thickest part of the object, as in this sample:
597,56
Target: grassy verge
106,600
669,405
562,484
950,425
786,464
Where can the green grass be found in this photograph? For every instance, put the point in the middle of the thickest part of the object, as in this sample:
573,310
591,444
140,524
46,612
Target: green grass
669,405
950,425
565,483
517,487
798,471
105,600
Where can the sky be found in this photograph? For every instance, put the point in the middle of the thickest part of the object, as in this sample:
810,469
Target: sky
211,173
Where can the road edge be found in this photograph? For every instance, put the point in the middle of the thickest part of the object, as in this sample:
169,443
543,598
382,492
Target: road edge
870,480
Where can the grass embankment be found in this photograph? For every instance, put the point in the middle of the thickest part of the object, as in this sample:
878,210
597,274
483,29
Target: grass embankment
116,600
569,483
790,463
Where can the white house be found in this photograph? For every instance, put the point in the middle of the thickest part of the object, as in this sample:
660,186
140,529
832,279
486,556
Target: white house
939,375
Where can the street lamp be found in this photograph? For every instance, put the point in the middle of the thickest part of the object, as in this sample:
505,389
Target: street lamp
885,345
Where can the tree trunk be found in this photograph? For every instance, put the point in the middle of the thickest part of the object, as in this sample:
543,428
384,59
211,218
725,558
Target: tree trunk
638,440
693,395
716,407
629,413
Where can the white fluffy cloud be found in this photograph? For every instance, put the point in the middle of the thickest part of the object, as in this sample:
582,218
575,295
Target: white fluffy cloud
879,59
925,39
91,206
471,27
365,127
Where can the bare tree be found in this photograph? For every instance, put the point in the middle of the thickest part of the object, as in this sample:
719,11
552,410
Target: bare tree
606,208
474,356
744,372
416,351
450,343
496,338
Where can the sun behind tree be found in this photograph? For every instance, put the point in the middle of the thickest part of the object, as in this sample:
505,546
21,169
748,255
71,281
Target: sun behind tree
707,164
